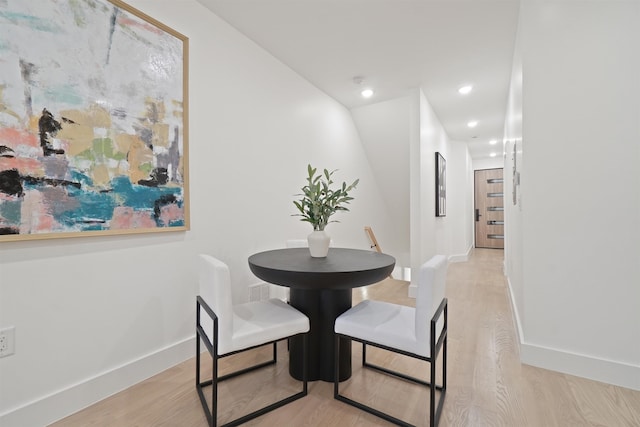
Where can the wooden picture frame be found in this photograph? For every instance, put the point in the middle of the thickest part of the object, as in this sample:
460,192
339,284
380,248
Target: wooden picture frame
94,121
441,185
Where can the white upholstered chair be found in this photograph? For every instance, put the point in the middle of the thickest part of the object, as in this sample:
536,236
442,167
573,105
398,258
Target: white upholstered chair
227,329
419,332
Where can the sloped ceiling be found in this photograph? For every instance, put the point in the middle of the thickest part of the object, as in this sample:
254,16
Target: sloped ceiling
395,46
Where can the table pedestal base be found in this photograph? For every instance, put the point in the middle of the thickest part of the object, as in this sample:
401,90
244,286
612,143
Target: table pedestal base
322,307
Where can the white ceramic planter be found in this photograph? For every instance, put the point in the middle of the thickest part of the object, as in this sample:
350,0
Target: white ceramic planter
318,244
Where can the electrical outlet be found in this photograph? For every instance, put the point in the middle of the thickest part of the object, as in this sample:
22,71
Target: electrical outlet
7,341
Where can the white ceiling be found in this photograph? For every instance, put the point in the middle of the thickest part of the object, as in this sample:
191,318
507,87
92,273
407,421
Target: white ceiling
395,46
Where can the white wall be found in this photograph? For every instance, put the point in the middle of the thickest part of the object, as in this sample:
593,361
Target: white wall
488,163
95,315
401,137
432,229
452,234
385,132
580,201
513,172
460,201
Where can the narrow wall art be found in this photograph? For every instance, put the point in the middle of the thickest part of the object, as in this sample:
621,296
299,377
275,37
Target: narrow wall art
93,121
441,185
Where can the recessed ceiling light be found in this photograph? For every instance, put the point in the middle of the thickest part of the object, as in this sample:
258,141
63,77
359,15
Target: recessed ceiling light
464,90
367,93
493,142
472,123
493,154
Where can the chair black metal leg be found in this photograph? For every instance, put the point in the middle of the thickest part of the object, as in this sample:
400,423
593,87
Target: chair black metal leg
214,391
364,354
435,410
391,372
215,380
443,389
432,395
305,363
336,376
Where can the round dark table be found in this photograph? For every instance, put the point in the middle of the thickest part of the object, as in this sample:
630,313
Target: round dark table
321,289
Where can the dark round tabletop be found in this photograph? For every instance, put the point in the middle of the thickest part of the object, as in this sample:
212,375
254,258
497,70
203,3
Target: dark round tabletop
341,269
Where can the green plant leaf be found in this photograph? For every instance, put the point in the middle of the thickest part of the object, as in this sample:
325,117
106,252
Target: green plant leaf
319,201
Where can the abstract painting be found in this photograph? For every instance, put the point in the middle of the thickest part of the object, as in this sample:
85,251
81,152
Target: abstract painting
93,121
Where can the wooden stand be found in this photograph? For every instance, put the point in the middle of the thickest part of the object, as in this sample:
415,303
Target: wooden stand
374,241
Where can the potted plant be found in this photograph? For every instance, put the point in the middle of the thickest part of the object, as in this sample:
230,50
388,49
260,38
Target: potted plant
318,203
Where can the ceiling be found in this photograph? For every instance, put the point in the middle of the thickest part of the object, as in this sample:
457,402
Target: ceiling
395,46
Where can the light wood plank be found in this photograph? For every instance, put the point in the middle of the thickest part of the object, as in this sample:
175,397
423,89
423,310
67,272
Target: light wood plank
488,386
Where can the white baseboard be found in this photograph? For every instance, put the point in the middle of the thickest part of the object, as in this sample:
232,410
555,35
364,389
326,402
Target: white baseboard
461,257
581,365
65,402
516,314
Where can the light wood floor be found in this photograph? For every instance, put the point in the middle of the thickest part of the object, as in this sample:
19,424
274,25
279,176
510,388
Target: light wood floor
487,385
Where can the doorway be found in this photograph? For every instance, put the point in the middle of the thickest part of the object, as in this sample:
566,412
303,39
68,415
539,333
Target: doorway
489,208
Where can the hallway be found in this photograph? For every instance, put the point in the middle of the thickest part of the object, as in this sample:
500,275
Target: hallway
487,385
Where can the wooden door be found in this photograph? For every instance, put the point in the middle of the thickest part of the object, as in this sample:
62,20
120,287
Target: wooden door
489,208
